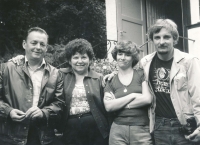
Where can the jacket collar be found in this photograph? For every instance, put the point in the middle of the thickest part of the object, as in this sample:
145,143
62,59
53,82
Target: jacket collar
91,73
178,56
23,64
177,53
150,56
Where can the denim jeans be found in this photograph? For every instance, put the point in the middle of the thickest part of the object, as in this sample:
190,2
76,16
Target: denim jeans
129,135
166,132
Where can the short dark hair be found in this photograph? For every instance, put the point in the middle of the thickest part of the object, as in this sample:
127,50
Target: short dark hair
167,24
37,29
127,47
81,46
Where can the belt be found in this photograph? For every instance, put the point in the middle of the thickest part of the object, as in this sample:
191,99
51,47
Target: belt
80,115
168,121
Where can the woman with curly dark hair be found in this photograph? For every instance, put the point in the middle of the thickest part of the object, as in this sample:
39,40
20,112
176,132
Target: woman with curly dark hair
128,97
84,120
85,115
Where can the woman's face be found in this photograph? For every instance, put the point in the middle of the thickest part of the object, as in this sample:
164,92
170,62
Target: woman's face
124,60
80,63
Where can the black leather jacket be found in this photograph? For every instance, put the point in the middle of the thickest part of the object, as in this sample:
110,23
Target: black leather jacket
94,94
16,92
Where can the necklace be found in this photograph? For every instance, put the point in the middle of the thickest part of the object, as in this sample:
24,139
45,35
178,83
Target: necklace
125,89
125,81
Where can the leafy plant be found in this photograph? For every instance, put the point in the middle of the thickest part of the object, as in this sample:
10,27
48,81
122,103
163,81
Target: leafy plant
64,20
104,66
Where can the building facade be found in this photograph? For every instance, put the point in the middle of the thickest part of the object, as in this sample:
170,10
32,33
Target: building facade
130,20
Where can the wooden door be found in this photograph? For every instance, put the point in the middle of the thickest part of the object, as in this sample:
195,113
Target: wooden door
131,22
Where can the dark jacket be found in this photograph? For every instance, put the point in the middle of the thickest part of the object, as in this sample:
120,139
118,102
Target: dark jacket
16,92
94,94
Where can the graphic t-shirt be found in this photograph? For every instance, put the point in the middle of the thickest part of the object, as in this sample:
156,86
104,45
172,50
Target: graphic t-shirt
79,103
159,77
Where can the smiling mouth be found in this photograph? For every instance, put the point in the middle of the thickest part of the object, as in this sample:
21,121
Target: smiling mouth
121,61
80,65
37,52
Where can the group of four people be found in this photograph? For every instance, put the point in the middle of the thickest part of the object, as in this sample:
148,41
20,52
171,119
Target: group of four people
149,102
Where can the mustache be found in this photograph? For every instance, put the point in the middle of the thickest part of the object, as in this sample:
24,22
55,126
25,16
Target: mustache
162,45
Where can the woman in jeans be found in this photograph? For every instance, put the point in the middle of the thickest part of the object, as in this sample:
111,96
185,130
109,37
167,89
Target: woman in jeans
128,98
85,116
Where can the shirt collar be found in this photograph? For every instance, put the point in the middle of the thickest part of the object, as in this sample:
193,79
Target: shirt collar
42,64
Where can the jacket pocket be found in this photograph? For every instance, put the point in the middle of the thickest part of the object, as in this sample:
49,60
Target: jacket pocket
4,128
188,112
47,134
18,130
157,125
180,82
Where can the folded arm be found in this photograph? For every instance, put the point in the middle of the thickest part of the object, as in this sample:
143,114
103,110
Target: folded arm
141,99
113,104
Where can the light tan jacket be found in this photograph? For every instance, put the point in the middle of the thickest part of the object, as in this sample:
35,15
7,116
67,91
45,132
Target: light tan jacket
184,86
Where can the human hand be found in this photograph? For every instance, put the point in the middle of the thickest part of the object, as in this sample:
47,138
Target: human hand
108,77
113,96
34,113
17,115
17,59
132,95
194,137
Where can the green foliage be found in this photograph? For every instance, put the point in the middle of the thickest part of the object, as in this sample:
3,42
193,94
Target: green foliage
64,20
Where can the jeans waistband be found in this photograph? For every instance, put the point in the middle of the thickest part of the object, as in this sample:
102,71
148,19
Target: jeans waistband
168,121
80,115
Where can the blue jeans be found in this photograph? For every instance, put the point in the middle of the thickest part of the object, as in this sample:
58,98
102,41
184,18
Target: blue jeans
129,135
166,132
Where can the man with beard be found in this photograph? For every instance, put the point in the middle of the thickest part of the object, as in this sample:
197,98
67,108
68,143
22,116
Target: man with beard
31,95
175,111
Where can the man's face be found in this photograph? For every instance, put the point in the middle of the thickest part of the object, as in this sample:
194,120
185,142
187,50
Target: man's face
163,42
36,45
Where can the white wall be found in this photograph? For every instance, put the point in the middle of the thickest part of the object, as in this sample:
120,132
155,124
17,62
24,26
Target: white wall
111,23
194,47
194,10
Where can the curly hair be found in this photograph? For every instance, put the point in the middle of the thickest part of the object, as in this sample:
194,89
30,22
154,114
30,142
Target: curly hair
167,24
81,46
129,48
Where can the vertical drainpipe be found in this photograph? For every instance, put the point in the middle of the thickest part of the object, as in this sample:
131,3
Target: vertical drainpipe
183,25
